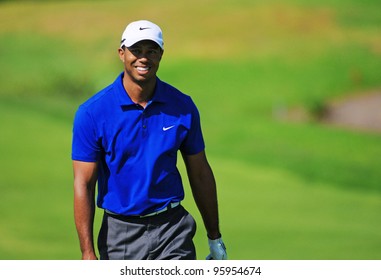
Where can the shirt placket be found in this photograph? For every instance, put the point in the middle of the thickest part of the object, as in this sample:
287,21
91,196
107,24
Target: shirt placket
144,121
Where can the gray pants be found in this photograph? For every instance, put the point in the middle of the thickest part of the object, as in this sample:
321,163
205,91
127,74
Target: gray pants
166,236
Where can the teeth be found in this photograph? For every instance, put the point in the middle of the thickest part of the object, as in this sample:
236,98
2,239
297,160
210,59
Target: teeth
142,68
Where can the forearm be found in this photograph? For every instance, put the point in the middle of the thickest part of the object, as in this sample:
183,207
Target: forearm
84,211
85,178
204,191
205,195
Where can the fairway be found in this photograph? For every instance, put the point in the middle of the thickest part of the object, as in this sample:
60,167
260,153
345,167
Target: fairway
287,189
36,210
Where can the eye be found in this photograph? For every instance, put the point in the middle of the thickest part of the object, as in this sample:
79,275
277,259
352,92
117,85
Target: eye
153,51
134,51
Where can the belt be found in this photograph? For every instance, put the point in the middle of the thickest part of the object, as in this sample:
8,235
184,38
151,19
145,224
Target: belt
169,207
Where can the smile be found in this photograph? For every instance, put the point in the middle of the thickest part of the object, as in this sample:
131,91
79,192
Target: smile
139,68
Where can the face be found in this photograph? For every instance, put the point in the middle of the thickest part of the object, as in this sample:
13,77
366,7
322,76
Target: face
141,61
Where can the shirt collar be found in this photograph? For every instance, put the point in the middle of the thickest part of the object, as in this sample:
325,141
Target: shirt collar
124,100
160,95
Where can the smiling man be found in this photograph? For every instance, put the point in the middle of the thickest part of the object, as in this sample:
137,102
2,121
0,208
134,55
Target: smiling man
126,139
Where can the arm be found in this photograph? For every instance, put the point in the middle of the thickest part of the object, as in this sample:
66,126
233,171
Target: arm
85,177
204,191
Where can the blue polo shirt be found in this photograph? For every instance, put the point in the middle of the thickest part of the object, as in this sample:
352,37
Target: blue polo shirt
137,148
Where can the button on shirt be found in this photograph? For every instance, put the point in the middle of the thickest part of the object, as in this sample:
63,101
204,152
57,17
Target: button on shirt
137,147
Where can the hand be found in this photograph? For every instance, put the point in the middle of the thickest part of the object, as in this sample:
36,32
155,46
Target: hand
217,250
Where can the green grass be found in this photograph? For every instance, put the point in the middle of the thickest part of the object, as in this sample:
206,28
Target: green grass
36,208
286,190
272,213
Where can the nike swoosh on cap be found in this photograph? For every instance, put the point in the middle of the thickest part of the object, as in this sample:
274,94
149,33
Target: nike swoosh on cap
142,28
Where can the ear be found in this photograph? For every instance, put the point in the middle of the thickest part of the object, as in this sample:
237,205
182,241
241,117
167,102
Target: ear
121,54
162,52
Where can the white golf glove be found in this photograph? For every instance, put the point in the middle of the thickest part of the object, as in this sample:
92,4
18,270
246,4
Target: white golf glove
217,250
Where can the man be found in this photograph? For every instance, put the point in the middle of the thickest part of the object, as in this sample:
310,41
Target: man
126,138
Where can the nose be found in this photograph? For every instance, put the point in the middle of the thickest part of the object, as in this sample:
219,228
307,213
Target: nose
147,54
143,57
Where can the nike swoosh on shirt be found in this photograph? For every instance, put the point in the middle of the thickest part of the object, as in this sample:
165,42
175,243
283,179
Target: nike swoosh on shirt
167,128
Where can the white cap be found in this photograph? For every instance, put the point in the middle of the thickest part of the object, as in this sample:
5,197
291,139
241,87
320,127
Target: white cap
142,30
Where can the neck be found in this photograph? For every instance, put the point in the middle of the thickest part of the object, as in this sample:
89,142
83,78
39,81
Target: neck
139,92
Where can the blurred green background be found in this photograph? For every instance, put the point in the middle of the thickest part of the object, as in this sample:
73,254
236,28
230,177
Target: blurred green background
287,189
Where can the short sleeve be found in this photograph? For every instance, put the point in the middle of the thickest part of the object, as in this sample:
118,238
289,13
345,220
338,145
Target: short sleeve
194,141
85,144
